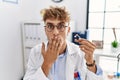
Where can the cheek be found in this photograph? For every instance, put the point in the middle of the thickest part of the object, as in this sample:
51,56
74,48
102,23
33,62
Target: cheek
48,35
63,36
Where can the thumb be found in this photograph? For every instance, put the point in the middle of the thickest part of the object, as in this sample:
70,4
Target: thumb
43,49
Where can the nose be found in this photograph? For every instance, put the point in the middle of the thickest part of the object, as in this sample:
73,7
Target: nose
55,31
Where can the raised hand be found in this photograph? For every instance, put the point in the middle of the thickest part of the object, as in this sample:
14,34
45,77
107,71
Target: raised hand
87,47
50,54
52,51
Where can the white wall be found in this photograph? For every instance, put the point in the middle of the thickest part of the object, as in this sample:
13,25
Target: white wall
11,61
77,9
11,15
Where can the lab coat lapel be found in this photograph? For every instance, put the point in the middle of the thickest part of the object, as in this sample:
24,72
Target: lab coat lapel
69,68
69,64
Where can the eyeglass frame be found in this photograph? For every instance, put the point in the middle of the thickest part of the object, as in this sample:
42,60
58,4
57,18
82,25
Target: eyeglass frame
63,28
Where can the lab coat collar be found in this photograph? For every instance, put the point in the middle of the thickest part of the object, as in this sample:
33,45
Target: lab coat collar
69,63
69,68
71,51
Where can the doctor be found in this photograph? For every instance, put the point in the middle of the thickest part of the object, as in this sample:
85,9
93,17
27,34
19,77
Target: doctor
59,59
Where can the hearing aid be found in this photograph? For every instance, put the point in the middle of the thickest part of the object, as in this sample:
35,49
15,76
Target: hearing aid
77,36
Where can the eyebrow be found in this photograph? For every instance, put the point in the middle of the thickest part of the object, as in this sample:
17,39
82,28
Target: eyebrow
52,23
49,23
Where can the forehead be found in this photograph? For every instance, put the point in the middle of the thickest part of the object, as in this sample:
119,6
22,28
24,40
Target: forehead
54,21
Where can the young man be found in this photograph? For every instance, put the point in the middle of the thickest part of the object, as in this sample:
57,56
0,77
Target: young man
59,59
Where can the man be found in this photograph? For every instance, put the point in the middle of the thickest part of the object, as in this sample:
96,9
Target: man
59,59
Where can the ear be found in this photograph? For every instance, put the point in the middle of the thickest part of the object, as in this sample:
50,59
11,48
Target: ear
45,30
68,31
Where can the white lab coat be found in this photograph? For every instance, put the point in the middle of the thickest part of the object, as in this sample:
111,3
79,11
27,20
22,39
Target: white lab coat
75,62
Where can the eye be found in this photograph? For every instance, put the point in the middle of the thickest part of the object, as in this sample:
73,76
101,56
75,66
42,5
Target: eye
50,26
60,26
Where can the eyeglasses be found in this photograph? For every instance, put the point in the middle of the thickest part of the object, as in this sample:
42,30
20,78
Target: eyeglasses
60,27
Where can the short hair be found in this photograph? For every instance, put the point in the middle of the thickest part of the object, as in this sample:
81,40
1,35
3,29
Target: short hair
59,13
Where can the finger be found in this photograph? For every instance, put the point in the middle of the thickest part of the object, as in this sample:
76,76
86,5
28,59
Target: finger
56,44
88,52
82,40
59,45
87,48
53,44
87,43
43,49
50,44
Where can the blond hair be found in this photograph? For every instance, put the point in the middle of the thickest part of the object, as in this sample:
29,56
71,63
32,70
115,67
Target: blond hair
58,13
